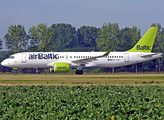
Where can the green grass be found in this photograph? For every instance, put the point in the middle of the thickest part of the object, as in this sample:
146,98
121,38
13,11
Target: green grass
71,80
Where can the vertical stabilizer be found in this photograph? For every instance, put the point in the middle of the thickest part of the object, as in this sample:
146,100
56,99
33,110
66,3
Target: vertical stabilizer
145,44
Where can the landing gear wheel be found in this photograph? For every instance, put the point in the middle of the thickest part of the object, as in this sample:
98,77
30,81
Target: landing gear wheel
79,72
15,72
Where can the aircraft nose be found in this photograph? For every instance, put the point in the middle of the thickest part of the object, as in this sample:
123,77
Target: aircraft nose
4,63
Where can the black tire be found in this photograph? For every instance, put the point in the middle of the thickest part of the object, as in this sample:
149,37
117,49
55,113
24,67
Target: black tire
77,72
80,72
15,72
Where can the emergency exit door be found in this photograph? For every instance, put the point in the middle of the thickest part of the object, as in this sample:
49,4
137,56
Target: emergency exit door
126,57
23,57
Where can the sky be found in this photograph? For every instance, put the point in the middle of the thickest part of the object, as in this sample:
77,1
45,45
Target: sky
127,13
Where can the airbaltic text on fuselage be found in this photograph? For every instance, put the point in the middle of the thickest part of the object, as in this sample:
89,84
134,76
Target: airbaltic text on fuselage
43,56
144,47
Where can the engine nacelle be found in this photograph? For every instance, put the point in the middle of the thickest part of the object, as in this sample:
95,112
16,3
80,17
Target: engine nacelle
61,67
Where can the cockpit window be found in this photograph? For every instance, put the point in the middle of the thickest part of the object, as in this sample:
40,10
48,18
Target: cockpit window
11,57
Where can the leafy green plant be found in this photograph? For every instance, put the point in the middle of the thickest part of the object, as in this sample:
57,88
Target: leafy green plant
82,102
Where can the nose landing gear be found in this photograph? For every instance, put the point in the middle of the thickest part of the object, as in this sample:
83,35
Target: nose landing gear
15,72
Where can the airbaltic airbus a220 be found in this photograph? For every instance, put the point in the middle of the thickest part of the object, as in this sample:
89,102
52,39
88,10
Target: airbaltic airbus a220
65,61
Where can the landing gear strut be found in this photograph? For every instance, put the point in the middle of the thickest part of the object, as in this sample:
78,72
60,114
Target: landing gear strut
79,72
15,72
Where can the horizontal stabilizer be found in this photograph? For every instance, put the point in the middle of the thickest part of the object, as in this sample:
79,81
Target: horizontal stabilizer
151,55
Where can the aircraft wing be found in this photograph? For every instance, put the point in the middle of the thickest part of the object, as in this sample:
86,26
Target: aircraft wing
79,61
150,55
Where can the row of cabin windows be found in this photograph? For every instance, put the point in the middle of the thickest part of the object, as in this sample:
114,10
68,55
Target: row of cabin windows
61,56
92,56
81,56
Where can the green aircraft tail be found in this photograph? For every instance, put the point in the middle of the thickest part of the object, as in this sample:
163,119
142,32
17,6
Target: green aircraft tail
145,44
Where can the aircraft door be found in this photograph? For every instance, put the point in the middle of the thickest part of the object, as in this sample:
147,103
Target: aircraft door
66,57
23,57
126,57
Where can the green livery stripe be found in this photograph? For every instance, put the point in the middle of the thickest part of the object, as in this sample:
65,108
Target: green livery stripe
145,44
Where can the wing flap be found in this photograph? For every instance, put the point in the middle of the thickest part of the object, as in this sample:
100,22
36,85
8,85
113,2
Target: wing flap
86,59
91,58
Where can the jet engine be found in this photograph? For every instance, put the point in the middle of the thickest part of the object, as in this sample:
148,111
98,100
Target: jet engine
61,67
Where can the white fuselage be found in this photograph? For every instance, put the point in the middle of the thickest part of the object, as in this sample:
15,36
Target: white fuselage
44,59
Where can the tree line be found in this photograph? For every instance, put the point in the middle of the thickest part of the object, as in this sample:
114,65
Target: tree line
65,37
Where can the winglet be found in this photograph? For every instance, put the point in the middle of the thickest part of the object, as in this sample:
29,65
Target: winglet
107,53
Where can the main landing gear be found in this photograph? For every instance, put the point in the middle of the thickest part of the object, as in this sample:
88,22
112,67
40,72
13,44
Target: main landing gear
79,72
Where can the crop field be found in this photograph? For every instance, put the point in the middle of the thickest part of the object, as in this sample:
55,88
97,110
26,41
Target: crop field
76,97
82,102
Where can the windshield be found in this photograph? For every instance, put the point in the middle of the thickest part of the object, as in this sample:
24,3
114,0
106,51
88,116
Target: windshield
11,57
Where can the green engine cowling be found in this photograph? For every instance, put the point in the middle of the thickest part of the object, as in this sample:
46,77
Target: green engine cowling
61,67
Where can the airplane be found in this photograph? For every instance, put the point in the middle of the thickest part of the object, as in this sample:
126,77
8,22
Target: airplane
66,61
